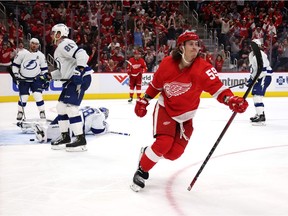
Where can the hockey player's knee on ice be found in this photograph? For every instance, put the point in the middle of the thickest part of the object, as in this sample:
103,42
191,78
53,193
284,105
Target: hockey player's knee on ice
162,144
175,152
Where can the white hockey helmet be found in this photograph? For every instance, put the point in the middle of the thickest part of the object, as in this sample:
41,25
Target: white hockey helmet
34,40
62,28
258,42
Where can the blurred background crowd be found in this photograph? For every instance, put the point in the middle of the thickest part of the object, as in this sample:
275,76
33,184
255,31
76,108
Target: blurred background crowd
110,31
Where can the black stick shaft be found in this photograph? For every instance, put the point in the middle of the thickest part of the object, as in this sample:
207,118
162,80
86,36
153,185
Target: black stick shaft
236,85
258,55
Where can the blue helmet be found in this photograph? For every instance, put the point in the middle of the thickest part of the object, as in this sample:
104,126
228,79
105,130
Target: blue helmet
105,111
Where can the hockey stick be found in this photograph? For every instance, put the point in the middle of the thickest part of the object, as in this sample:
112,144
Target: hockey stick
236,85
22,106
64,80
259,59
15,80
119,133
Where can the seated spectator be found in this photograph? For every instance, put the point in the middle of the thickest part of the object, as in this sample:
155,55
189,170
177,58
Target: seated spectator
242,66
6,54
283,56
150,60
236,46
207,56
129,51
93,58
113,44
244,53
219,63
117,56
111,67
161,53
103,62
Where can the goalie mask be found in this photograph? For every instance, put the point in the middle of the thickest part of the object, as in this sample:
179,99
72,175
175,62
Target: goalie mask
59,28
105,111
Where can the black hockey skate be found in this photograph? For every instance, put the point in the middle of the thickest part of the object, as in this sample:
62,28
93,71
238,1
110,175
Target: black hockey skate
139,179
140,176
78,145
130,100
20,115
61,141
258,119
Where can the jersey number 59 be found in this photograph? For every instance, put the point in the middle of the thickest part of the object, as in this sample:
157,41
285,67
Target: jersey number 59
212,73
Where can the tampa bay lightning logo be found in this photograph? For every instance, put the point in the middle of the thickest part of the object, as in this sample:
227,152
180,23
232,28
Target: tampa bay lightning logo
30,65
281,80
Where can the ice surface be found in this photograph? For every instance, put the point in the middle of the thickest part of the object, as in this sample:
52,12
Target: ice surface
247,174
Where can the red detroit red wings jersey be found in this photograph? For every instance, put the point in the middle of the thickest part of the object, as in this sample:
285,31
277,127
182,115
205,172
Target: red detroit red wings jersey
181,89
137,66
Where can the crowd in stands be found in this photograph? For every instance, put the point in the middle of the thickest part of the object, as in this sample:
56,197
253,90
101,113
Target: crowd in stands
238,22
111,30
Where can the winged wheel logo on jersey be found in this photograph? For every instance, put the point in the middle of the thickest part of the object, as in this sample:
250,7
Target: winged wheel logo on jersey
176,88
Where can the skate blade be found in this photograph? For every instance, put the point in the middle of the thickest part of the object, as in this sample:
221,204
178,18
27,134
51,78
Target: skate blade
58,147
76,149
135,187
258,123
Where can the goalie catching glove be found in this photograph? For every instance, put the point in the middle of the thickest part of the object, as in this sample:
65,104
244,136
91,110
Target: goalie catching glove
141,107
236,104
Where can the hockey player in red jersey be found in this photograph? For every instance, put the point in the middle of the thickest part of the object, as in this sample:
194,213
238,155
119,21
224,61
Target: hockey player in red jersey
136,67
180,80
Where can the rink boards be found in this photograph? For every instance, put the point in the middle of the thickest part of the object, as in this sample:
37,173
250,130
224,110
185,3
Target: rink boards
116,86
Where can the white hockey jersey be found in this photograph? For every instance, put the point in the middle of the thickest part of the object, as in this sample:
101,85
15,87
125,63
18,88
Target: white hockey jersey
29,64
67,57
266,71
93,118
93,121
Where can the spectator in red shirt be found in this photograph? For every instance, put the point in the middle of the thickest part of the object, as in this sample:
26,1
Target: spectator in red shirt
117,55
6,54
107,19
219,63
243,29
111,67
